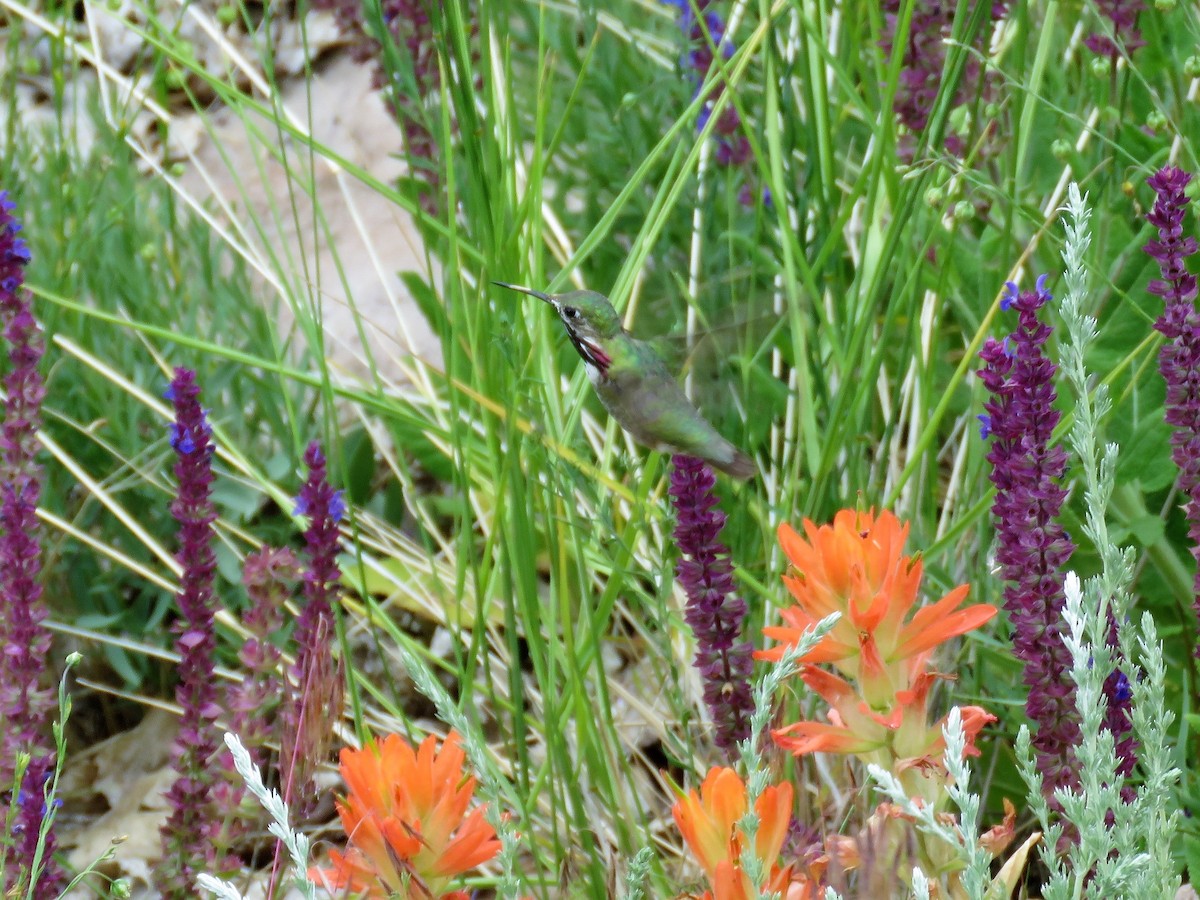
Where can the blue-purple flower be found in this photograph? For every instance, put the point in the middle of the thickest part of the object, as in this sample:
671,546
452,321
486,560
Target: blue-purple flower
714,611
1118,715
32,811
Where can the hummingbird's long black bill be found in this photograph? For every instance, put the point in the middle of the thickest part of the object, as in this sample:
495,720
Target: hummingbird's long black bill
524,290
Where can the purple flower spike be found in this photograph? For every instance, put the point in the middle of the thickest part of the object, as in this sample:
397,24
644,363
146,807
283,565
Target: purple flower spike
189,832
1123,16
714,612
32,810
26,703
1033,549
702,33
308,729
410,26
1179,357
1118,721
269,575
921,78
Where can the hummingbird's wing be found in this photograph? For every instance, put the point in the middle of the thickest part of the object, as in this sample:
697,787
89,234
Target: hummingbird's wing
651,406
705,352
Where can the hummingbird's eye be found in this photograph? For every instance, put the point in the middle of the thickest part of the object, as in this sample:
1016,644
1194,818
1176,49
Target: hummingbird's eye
570,312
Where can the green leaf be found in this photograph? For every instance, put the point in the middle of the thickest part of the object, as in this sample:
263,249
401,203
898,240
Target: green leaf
359,453
1147,530
427,301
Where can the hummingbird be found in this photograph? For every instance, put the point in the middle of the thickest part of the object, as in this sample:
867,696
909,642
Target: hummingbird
634,384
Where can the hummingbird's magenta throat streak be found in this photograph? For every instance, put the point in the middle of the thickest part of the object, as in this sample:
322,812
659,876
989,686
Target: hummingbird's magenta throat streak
591,353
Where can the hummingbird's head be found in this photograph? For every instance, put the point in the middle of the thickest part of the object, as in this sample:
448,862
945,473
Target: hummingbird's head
589,319
586,313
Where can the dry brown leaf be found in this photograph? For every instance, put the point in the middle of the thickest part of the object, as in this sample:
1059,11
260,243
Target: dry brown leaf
120,783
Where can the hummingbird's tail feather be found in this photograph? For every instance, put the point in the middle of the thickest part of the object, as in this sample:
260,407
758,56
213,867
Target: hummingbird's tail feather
734,463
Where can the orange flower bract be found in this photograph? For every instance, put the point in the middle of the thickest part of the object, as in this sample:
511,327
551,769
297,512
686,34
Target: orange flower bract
857,567
405,814
708,821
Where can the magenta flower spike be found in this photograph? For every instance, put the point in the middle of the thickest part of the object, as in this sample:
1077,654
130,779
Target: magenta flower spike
269,575
701,33
411,27
253,703
25,701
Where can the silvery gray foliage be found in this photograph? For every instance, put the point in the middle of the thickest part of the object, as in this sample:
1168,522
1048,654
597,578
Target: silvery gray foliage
920,884
964,837
295,842
638,874
217,887
757,774
1122,848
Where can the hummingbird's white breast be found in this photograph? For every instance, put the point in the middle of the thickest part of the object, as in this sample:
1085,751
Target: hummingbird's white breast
594,374
595,360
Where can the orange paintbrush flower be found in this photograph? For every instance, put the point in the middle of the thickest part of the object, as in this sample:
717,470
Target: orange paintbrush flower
708,821
879,651
406,818
857,567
